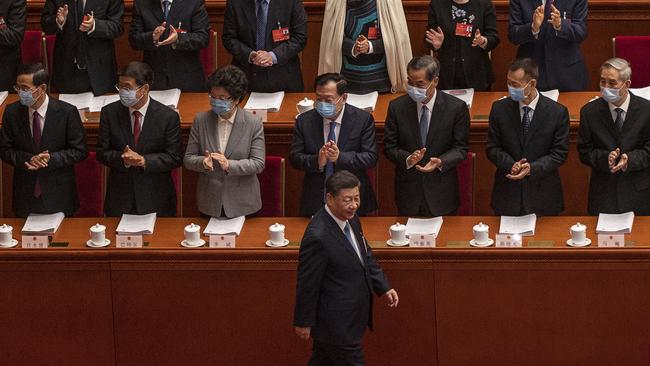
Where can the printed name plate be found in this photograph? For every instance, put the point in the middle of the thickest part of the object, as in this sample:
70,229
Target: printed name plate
508,241
128,241
35,241
222,241
611,240
423,241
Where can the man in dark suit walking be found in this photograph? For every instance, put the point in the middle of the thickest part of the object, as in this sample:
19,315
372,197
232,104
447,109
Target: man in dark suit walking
334,136
426,153
140,141
172,33
84,52
614,140
42,138
265,38
13,19
528,140
551,33
337,275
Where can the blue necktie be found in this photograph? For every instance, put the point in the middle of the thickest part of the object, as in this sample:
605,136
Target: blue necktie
348,234
262,11
424,124
329,167
619,119
165,9
525,122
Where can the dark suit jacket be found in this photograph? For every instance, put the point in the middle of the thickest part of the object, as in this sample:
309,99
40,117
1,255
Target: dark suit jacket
99,45
546,148
476,61
152,188
239,34
558,53
447,140
64,137
177,65
622,191
14,13
358,152
334,289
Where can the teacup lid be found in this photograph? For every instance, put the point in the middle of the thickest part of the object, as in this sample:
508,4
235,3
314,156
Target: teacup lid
578,226
5,228
306,102
192,226
481,226
276,226
398,226
97,226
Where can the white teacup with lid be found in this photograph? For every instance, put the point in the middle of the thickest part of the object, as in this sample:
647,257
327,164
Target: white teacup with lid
397,234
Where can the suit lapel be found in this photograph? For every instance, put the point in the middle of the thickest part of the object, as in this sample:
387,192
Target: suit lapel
340,238
515,116
249,11
149,122
606,118
632,111
212,128
51,118
174,13
156,9
539,116
413,121
124,119
237,132
439,108
346,126
317,127
24,124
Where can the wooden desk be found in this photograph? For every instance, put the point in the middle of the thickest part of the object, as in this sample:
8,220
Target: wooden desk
168,305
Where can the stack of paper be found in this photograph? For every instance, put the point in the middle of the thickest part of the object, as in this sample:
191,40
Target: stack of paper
137,224
424,226
615,223
99,102
221,227
466,95
641,92
269,101
43,224
551,94
81,101
167,97
3,96
366,102
524,225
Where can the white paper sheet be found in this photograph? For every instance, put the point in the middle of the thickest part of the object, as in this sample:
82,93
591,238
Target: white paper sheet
615,223
424,226
43,224
552,94
268,101
228,226
100,101
641,92
169,97
81,101
466,95
524,225
367,102
3,96
137,224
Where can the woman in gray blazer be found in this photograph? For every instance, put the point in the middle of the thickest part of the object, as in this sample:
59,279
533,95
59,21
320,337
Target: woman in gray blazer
226,146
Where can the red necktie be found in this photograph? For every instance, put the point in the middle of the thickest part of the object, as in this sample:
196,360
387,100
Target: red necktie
36,135
136,126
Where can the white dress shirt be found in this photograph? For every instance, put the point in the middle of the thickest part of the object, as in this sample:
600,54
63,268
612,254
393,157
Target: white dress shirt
625,106
341,224
42,110
143,111
224,128
532,106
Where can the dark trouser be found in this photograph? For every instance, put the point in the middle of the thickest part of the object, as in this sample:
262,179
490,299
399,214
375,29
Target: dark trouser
334,355
35,207
424,211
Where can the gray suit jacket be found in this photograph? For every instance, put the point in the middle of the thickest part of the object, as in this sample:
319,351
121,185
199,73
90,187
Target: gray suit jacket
238,190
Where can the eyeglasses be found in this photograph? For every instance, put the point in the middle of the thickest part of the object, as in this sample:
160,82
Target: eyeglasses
118,88
19,89
221,97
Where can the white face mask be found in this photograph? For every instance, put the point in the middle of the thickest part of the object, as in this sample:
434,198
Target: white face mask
418,95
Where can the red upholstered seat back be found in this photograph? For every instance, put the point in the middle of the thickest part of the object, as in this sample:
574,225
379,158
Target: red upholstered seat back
466,185
208,55
90,187
31,49
636,50
272,187
49,52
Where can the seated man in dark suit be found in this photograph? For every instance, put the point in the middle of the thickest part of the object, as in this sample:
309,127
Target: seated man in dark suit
140,141
337,276
334,136
42,138
614,140
84,52
265,38
528,141
172,34
13,19
425,136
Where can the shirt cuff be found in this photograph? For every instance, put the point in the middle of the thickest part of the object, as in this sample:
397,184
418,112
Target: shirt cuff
274,57
370,49
354,54
60,26
93,28
408,166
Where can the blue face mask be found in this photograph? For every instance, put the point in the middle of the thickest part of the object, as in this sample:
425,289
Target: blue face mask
418,95
517,94
26,98
219,106
612,95
326,109
128,97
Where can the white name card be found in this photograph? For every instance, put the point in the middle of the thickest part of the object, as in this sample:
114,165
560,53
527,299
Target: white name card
508,241
222,241
262,113
35,241
423,241
611,240
128,241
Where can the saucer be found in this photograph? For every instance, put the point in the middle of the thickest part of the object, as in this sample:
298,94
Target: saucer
13,243
572,244
186,244
479,245
93,245
391,244
272,245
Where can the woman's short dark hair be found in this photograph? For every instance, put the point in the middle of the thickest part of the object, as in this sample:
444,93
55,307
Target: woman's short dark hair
432,65
338,79
38,71
527,64
342,179
141,72
231,78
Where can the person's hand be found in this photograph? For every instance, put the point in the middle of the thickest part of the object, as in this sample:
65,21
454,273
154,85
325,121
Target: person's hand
362,45
392,297
38,161
434,163
435,37
62,14
612,158
88,22
416,156
556,18
132,158
263,59
221,159
523,172
479,40
332,152
516,167
303,332
322,156
158,31
207,161
172,38
538,19
621,165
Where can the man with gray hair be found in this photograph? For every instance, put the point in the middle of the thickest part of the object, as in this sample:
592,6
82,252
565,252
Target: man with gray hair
425,136
614,140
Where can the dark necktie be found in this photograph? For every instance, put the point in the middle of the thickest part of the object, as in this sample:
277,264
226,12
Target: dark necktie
80,55
136,126
36,135
525,121
424,124
165,9
329,167
619,119
262,10
348,234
